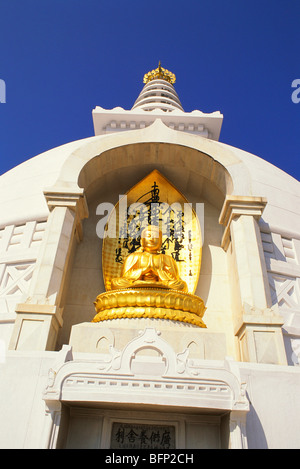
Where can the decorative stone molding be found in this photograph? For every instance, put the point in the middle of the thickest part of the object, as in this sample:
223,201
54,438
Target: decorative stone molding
260,336
59,197
189,126
237,429
89,337
75,201
240,217
39,318
19,247
282,256
36,327
128,376
22,238
14,284
157,99
258,326
235,206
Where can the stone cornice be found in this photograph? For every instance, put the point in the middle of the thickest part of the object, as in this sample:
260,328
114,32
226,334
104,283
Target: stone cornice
235,206
73,200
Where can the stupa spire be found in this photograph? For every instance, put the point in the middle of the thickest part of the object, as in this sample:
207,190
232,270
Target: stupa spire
157,100
160,73
158,92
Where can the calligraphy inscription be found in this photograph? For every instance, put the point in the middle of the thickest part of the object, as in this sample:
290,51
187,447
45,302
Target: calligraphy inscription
151,212
139,436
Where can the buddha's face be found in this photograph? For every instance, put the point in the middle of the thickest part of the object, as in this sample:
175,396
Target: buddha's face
151,238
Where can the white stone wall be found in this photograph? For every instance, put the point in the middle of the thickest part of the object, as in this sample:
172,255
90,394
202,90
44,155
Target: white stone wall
19,248
282,254
197,165
273,420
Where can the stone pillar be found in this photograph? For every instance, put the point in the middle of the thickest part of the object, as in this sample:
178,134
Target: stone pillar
51,425
257,323
40,317
237,430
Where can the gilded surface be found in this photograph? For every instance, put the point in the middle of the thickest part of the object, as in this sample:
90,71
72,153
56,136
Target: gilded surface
150,303
148,267
151,262
160,73
155,200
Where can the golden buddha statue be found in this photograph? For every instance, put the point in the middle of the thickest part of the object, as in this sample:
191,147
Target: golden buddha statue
146,267
152,285
149,287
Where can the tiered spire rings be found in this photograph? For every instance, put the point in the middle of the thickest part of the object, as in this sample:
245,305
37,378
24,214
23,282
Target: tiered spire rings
158,92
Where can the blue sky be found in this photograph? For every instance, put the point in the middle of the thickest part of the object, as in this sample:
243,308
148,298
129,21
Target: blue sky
61,58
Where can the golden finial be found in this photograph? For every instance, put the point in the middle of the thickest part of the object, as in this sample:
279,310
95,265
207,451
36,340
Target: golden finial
160,73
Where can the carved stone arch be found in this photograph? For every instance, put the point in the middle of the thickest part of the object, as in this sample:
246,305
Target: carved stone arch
210,386
187,168
195,348
149,339
105,340
155,147
190,163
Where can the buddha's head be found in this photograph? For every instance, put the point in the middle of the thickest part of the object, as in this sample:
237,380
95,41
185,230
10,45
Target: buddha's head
151,238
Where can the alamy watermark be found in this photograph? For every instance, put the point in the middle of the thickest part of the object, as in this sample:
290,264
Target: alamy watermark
175,219
2,91
295,96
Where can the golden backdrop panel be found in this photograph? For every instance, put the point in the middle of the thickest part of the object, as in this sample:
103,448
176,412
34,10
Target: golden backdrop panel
154,200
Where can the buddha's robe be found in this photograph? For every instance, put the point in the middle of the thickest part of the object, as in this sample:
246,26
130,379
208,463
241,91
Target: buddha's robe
143,268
